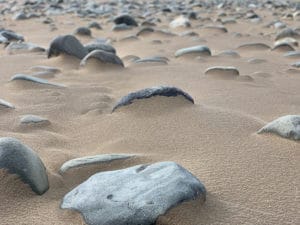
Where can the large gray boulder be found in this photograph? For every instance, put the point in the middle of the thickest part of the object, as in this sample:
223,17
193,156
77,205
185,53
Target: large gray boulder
166,91
285,126
135,195
23,161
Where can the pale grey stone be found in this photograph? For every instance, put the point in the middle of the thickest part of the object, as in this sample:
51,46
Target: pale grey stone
199,50
33,119
35,80
102,56
6,104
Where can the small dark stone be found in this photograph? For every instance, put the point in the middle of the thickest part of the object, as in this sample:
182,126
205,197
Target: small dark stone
125,19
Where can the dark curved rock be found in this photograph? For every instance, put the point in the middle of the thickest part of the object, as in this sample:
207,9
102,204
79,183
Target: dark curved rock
34,80
23,161
83,31
136,195
102,56
7,36
67,44
287,32
100,46
95,25
167,91
125,19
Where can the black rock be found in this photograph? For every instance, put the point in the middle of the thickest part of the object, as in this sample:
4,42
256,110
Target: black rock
125,19
84,31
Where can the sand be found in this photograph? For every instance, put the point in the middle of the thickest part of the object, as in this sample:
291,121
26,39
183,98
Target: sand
250,178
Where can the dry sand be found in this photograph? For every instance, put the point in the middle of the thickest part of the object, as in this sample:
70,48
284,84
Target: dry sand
250,178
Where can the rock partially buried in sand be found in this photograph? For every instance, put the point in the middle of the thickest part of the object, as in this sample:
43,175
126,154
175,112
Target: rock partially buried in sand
200,50
100,46
167,91
223,71
254,46
292,54
287,32
67,44
83,31
23,161
155,59
5,104
229,53
285,126
180,21
125,19
103,57
136,195
283,47
33,119
22,47
45,69
35,80
92,160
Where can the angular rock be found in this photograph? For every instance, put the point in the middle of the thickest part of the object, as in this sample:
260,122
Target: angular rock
166,91
285,126
91,160
34,80
6,104
155,59
136,195
200,50
102,56
125,19
23,161
67,44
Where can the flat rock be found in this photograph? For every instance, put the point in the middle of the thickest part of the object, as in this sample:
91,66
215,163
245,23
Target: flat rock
67,44
222,71
34,80
121,27
103,57
199,50
5,104
125,19
23,47
166,91
19,159
91,160
136,195
216,28
285,126
33,119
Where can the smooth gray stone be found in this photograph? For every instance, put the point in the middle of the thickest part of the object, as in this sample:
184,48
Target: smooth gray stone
292,54
21,47
6,104
19,16
155,59
137,195
256,61
100,46
199,50
291,41
283,47
102,56
95,25
125,19
34,80
45,69
23,161
84,31
145,30
91,160
285,126
67,44
254,46
7,36
167,91
225,71
121,27
33,119
229,53
287,32
296,64
218,28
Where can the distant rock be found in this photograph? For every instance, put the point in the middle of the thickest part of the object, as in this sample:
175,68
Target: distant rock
23,77
256,61
23,161
285,126
292,54
216,28
121,27
222,71
125,19
33,119
103,57
287,32
144,31
23,47
229,53
5,104
199,50
136,195
254,46
155,59
83,31
95,25
180,21
7,36
20,16
92,160
67,44
167,91
100,46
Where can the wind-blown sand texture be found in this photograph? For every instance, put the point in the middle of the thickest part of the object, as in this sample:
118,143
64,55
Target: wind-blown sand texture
250,178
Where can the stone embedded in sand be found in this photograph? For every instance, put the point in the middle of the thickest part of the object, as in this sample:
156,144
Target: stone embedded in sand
283,47
256,61
103,57
24,77
7,36
292,54
121,27
166,91
67,44
180,21
217,28
287,32
223,71
135,195
144,31
83,31
229,53
296,64
23,161
291,41
95,25
19,16
45,69
100,46
155,59
285,126
254,46
199,50
5,104
92,160
125,19
22,47
33,119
